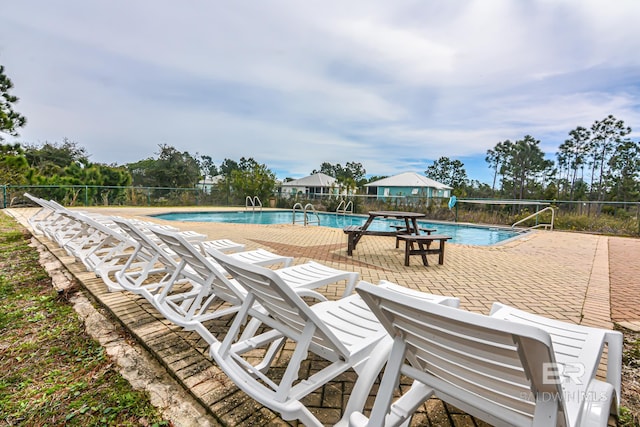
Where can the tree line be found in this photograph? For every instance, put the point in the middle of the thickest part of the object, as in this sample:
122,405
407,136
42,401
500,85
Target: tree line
599,163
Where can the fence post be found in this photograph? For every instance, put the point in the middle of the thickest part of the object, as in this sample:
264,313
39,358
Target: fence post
4,197
86,195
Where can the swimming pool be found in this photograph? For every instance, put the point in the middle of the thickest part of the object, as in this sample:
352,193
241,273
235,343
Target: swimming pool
464,234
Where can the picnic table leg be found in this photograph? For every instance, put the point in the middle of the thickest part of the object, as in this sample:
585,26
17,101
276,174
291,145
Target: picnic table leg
400,231
407,249
416,230
350,244
423,253
355,237
441,257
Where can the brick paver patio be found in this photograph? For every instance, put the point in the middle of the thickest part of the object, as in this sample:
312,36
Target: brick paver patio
625,279
573,277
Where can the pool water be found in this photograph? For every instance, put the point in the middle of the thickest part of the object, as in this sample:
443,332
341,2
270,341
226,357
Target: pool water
463,234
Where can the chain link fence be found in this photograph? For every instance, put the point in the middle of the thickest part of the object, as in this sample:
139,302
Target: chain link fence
86,195
618,218
613,218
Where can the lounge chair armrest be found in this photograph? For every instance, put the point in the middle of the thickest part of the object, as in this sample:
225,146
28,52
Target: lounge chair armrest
311,294
614,340
599,402
357,419
401,410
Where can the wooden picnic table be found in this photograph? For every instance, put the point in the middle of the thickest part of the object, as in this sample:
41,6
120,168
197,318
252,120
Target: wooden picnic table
355,233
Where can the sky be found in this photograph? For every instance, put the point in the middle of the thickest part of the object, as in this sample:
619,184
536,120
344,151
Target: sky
393,85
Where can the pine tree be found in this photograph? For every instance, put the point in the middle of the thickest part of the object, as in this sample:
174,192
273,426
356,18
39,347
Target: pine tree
10,120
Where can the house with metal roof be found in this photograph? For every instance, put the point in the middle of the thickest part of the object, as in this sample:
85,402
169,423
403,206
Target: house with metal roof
318,184
209,183
408,184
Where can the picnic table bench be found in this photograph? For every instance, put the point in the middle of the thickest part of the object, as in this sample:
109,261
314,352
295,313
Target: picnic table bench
424,246
401,229
355,232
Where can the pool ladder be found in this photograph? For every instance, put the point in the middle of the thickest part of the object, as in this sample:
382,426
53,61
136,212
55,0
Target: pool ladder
344,207
308,208
253,203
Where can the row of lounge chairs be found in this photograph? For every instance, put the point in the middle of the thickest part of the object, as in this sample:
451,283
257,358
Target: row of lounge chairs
506,368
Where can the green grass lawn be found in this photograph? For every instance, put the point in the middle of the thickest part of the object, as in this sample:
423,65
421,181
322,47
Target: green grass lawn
51,372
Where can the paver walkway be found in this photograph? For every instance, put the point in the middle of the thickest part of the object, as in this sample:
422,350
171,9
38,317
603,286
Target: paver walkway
624,267
560,275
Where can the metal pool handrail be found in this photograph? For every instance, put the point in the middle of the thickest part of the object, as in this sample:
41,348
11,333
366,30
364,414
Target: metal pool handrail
253,202
343,207
308,207
553,215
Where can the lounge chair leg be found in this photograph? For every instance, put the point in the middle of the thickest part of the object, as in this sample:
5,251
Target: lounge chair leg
366,377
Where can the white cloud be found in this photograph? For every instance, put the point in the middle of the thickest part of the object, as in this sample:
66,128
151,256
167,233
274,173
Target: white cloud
294,84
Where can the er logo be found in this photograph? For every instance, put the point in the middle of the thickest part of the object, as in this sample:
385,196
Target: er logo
558,373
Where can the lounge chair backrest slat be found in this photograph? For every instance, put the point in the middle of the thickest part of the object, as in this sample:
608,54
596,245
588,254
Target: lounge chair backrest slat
174,243
146,244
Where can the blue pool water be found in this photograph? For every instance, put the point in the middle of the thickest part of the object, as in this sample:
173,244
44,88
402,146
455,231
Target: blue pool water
464,234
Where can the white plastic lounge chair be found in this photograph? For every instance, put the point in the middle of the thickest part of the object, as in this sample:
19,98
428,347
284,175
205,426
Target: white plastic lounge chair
505,372
77,235
53,220
56,224
93,239
153,266
191,309
576,345
344,333
99,243
104,248
149,267
40,215
60,225
222,245
96,241
44,215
